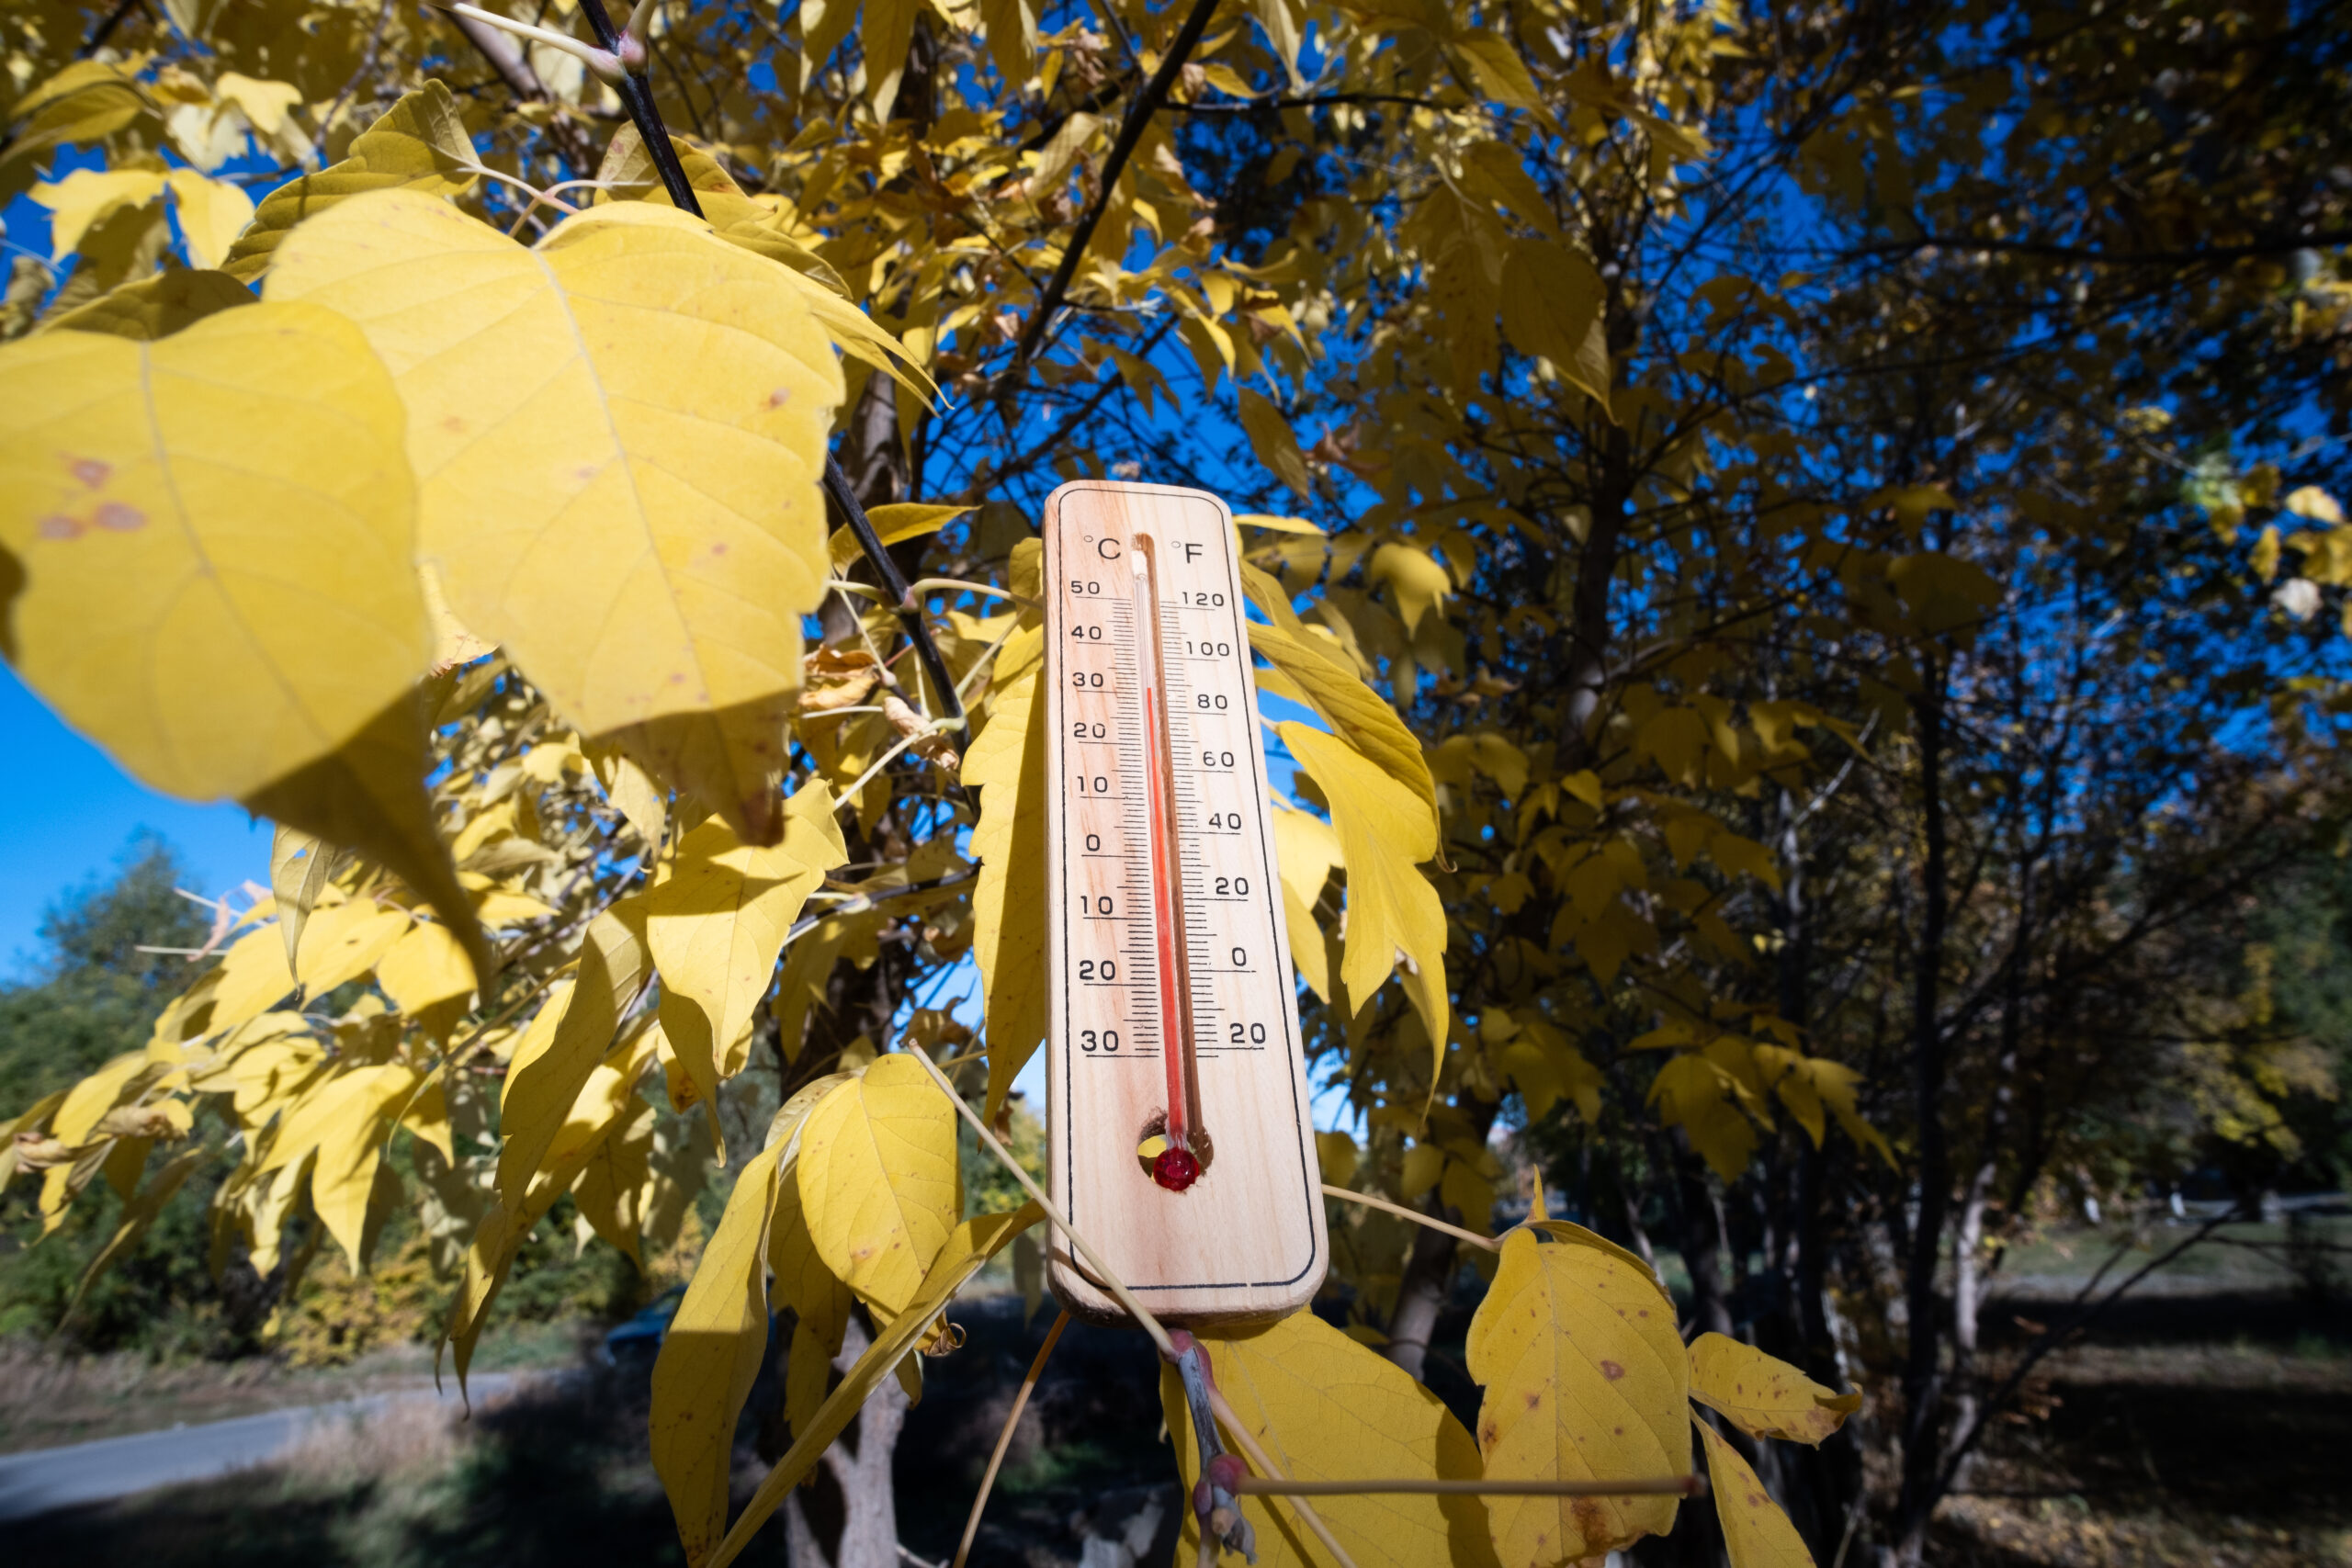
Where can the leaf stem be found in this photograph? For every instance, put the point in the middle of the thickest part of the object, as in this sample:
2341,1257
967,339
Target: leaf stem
1004,1438
1369,1201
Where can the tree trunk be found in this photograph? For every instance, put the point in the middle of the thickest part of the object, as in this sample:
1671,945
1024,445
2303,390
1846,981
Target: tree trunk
1923,1385
849,1517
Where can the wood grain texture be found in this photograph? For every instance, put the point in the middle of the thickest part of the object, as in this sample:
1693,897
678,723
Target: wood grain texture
1248,1240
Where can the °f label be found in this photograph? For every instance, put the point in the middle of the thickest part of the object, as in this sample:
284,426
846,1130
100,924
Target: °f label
1177,1117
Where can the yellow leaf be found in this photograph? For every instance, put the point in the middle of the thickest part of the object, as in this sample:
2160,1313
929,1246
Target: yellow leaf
1763,1396
642,542
254,979
1275,444
93,1097
1501,75
420,144
1420,584
300,866
708,1358
1352,708
87,100
368,795
1757,1534
212,214
612,1182
344,941
424,967
1694,1094
1552,309
1943,592
138,1214
1336,1154
879,1180
1326,1408
2316,504
83,199
1393,915
716,919
1308,850
197,519
970,1246
566,1043
1584,1380
155,307
1007,764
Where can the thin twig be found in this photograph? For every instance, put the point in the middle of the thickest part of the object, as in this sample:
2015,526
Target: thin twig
1647,1486
1004,1439
1369,1201
904,601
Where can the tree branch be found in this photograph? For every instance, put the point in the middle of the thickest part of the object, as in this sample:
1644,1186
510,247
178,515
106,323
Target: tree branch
1155,92
2281,246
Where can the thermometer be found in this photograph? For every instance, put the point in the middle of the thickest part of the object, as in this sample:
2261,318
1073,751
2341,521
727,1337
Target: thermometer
1177,1101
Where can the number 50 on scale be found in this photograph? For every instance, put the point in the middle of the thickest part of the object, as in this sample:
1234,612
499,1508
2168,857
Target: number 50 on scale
1177,1101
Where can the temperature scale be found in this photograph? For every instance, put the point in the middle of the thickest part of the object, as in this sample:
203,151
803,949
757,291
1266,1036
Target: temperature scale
1177,1105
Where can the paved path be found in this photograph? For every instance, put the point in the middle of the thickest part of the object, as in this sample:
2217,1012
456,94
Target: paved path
48,1479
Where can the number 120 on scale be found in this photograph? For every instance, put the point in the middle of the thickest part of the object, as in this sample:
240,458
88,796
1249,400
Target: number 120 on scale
1177,1101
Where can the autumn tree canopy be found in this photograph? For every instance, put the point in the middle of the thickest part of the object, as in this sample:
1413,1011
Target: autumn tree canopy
1799,549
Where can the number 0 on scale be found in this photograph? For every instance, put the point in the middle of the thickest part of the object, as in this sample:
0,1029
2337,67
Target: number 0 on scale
1177,1103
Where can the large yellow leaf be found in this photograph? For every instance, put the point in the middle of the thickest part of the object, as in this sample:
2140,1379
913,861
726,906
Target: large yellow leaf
1755,1532
215,533
617,436
1326,1408
254,979
1552,304
1763,1396
1584,1380
1350,708
716,919
1273,441
424,967
420,144
1007,764
879,1183
969,1247
710,1356
1308,850
566,1042
343,943
1393,915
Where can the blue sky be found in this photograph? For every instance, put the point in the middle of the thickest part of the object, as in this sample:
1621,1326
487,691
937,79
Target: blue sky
74,811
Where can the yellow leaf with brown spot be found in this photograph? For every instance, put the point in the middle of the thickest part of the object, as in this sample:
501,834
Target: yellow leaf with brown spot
1584,1380
195,519
1755,1532
641,542
1763,1396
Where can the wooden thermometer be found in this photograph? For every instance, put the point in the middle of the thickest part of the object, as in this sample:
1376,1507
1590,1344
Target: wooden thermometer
1177,1103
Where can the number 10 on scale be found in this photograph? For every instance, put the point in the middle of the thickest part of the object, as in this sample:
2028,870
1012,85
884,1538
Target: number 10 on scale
1177,1103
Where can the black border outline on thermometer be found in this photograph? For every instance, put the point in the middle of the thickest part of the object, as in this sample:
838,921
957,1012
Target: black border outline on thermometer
1059,923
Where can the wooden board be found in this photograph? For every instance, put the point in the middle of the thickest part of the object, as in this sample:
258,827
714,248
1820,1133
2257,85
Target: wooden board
1247,1241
